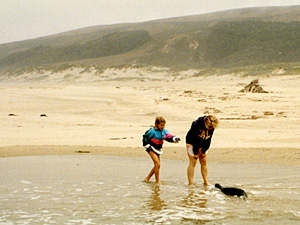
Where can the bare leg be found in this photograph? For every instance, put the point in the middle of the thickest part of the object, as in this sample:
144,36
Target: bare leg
204,169
191,169
155,169
150,175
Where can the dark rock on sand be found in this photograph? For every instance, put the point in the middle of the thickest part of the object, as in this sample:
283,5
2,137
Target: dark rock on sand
253,87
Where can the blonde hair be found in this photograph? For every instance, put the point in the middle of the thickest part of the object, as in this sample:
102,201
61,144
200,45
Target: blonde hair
159,120
211,122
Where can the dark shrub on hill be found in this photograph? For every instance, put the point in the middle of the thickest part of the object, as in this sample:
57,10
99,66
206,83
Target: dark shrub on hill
111,44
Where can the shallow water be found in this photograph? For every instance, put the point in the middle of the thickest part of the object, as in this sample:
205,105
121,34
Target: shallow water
87,189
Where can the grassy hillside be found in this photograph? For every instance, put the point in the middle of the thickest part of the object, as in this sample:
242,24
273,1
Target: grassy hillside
218,41
253,42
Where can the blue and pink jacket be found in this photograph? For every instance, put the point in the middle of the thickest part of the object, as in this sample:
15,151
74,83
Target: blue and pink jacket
156,138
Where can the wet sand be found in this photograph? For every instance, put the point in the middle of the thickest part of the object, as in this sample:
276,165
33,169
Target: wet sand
99,189
286,156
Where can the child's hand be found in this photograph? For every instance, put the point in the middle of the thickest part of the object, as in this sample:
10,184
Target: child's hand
177,139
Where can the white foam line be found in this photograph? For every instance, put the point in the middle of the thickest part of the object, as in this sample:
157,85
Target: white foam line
36,197
88,221
25,182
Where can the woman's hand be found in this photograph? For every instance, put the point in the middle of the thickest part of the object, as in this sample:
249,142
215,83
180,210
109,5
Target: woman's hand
200,154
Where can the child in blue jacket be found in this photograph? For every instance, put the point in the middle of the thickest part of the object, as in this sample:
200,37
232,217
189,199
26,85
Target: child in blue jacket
153,141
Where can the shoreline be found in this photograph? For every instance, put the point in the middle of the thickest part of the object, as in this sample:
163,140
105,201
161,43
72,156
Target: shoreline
276,156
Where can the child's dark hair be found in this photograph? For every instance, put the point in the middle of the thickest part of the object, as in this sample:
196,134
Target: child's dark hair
159,120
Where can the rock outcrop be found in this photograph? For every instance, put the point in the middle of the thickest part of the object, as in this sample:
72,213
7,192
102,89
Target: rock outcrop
253,87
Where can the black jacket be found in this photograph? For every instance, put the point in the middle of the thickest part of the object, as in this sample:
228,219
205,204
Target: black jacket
199,136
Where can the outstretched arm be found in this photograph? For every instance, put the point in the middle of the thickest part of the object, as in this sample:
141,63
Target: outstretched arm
171,138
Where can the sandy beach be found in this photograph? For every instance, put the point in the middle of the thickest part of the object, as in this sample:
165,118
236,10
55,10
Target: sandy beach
108,113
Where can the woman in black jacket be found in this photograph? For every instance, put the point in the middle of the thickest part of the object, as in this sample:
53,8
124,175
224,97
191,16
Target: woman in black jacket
198,140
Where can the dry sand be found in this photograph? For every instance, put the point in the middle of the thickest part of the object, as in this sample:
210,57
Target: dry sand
108,113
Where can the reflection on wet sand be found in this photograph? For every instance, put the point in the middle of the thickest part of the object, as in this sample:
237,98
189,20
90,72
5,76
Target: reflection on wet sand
192,200
154,202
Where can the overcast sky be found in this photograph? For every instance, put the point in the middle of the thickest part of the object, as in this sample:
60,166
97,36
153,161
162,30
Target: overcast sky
26,19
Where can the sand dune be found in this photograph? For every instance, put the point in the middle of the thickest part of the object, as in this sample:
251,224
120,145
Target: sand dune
115,107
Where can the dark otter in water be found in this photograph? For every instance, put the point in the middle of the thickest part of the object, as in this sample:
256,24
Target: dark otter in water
232,191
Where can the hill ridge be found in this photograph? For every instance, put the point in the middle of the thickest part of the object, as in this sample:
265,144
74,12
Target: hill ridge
227,39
